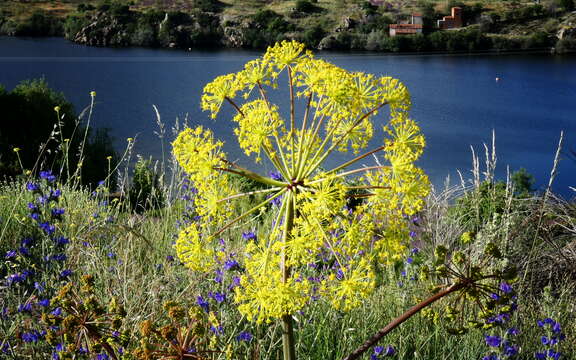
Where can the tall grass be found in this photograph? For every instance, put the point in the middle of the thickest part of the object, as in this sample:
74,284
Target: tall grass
132,258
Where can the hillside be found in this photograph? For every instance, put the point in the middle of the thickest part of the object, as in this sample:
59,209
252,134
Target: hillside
321,24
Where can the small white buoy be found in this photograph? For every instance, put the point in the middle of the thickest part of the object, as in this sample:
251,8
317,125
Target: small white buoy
497,79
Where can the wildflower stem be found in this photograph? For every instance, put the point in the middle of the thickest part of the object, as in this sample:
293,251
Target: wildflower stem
238,218
348,163
302,137
342,138
292,120
234,105
252,175
402,318
346,173
288,345
249,193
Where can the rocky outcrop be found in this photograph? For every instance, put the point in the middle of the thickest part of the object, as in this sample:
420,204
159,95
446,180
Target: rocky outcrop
567,28
103,30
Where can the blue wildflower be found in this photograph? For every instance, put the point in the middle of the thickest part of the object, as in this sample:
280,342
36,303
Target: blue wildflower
44,302
25,307
57,311
244,336
102,356
219,276
48,176
493,341
33,336
505,288
219,297
512,331
203,303
61,241
249,235
275,175
231,264
65,273
32,186
55,194
10,254
57,212
48,229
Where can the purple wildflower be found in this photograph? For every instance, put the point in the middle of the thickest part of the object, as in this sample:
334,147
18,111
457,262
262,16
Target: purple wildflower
244,336
249,235
203,303
493,341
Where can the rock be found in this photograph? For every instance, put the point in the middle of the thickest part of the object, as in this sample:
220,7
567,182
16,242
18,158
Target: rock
567,28
346,24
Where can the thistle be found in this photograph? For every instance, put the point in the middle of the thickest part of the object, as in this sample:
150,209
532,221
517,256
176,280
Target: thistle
323,221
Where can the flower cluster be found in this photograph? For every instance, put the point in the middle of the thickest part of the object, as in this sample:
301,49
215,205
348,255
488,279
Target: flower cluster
500,308
37,265
185,335
315,221
551,340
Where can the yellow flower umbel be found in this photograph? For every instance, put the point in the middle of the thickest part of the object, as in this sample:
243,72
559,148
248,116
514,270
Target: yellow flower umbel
324,222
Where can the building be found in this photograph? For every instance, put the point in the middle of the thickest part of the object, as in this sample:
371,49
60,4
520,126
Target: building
411,28
453,21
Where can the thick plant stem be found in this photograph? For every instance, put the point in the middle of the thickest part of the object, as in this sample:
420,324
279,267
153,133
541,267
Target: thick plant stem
407,315
288,345
288,338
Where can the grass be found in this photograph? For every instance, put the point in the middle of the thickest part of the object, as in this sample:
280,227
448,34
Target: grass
131,257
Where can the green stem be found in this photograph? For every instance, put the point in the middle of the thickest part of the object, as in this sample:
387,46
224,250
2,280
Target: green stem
254,176
238,218
288,345
348,163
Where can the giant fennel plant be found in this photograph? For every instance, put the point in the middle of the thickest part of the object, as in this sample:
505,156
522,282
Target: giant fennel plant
323,221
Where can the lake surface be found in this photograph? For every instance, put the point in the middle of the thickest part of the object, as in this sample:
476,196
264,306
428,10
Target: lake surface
456,99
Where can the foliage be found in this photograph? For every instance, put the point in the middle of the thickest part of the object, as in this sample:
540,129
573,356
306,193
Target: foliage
305,6
39,129
567,5
40,24
267,27
146,189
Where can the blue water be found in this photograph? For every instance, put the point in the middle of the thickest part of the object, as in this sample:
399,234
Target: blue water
456,99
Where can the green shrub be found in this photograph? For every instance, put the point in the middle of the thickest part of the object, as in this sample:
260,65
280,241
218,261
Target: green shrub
40,24
313,35
567,5
267,27
305,6
145,192
29,125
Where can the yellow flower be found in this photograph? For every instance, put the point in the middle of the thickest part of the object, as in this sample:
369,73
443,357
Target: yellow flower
324,214
93,93
57,108
16,149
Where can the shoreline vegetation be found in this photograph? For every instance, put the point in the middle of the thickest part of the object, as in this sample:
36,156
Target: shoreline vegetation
547,26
